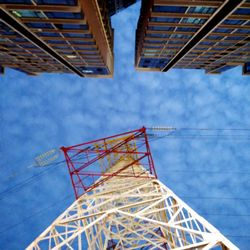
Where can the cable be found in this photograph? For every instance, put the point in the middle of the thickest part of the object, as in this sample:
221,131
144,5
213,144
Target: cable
215,198
237,236
31,179
25,182
36,213
206,137
41,211
175,133
227,215
218,129
204,171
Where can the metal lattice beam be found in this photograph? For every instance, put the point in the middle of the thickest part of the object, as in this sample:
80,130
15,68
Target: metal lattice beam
130,213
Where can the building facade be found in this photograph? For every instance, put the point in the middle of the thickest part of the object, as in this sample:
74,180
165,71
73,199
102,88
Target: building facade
59,36
114,6
210,34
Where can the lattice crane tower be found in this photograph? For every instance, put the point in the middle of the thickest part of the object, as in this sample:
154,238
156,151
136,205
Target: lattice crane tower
120,203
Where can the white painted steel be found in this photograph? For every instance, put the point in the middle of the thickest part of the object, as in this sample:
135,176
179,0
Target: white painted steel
132,213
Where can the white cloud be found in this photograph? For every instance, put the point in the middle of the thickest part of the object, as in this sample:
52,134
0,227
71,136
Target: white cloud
41,112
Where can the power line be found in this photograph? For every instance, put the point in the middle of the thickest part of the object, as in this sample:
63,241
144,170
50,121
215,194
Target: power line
177,133
206,172
218,129
238,236
36,213
18,186
226,215
41,211
24,182
200,129
215,198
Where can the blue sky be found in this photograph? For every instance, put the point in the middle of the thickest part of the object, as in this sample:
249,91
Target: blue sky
51,110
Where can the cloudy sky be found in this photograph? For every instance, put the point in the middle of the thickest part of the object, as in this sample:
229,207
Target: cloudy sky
51,110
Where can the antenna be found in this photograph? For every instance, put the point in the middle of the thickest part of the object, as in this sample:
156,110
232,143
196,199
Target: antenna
47,158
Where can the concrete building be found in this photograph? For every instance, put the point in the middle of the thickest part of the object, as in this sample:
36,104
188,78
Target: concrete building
210,34
59,36
115,6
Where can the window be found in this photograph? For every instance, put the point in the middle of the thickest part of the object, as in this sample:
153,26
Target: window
234,38
169,9
78,35
151,50
214,37
35,50
166,28
90,49
233,22
226,67
243,31
57,2
17,50
2,39
20,70
19,39
28,46
206,43
165,19
27,14
153,62
82,42
199,48
154,42
56,42
246,68
210,53
218,48
72,26
88,53
48,34
16,1
201,10
220,30
180,36
225,44
61,47
39,25
242,11
71,52
193,20
160,35
9,45
94,70
152,46
176,42
64,15
8,32
186,29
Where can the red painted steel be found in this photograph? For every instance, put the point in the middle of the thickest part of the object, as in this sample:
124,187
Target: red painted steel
89,163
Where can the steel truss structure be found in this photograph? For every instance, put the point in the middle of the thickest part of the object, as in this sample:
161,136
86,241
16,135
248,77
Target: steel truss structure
90,160
131,209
